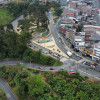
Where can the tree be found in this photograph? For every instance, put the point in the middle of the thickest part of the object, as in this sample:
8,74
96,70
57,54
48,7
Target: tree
36,87
37,10
58,11
79,29
2,95
10,26
82,96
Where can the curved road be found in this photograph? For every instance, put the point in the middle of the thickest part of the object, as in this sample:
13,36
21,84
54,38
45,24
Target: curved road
7,90
82,69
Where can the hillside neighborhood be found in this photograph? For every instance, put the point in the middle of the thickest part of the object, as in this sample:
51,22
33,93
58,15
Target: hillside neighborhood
49,50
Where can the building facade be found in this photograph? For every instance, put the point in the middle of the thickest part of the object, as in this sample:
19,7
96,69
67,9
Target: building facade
96,52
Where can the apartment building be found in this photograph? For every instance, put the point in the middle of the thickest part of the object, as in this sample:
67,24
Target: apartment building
91,28
96,52
73,4
71,13
78,42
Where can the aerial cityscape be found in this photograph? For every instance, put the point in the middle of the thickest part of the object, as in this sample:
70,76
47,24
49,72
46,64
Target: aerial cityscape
49,49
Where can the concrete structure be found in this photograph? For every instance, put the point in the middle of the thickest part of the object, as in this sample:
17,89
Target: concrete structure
68,21
78,42
63,2
91,28
96,52
71,12
73,4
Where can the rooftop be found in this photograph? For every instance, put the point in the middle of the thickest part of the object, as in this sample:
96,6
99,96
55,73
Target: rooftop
91,26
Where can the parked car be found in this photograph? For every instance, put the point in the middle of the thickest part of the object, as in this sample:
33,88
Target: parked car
94,65
51,68
50,52
45,52
54,54
87,63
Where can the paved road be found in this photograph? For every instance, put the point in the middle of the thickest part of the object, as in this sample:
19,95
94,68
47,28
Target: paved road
7,90
83,70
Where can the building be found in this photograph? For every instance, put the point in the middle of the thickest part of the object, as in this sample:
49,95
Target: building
73,4
71,13
63,2
96,52
68,21
78,42
91,28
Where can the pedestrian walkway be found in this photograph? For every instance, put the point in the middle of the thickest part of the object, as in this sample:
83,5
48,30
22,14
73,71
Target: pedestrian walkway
51,46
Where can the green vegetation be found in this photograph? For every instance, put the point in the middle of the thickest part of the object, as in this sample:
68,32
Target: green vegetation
17,46
12,10
5,16
2,95
25,84
79,29
74,87
45,34
55,20
17,8
57,8
30,84
26,23
38,11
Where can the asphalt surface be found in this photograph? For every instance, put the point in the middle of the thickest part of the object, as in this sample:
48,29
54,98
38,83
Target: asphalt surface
7,90
68,64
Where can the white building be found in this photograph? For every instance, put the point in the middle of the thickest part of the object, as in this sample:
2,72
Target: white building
96,52
79,42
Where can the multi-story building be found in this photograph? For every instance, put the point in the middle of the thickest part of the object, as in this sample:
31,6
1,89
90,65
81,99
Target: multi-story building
96,52
63,2
73,4
78,42
91,28
71,13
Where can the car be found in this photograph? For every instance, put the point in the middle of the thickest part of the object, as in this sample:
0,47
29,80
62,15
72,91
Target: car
51,68
86,63
45,52
40,68
95,64
62,69
55,55
50,52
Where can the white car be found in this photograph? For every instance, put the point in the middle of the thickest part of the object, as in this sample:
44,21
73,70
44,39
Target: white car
62,69
45,52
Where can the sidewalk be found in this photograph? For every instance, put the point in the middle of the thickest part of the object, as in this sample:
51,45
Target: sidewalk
52,46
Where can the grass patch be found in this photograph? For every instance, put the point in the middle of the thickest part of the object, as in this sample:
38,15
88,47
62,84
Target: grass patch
55,20
54,14
45,34
59,63
5,16
33,70
40,30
